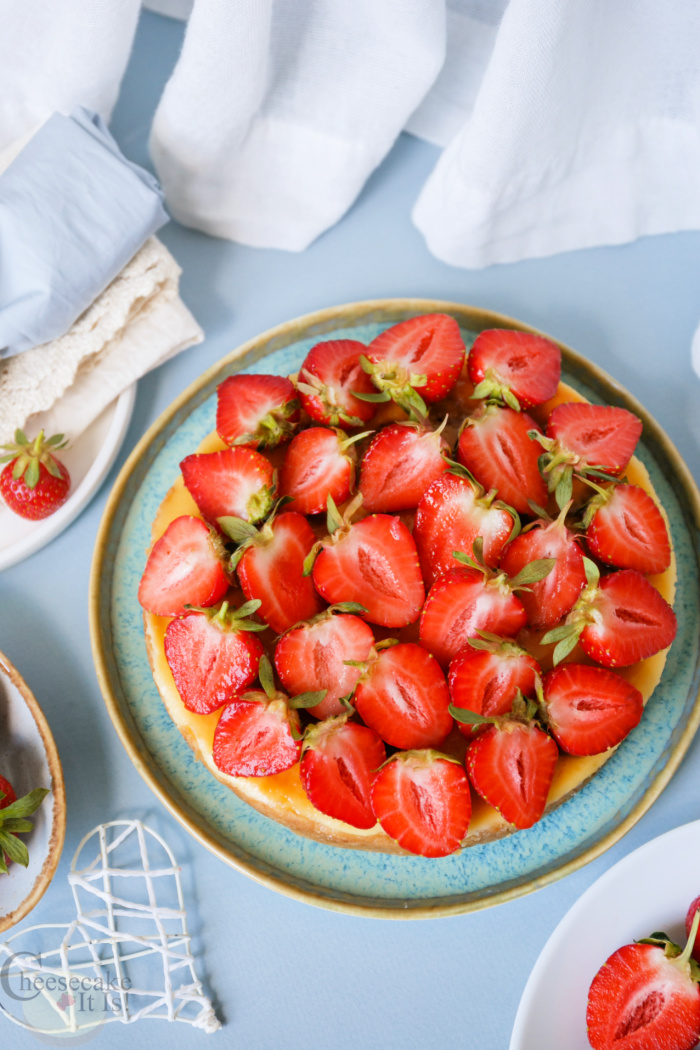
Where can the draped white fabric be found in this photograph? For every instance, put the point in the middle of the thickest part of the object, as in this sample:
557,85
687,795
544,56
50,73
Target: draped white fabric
566,123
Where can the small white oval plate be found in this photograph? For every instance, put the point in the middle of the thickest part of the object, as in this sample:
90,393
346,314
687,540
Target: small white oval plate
28,759
88,460
649,890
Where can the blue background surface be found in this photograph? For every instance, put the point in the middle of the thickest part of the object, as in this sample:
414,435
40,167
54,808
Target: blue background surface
284,974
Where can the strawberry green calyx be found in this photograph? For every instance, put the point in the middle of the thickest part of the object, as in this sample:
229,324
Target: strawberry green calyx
600,499
483,499
277,426
523,711
28,455
493,388
227,619
532,573
584,612
317,734
373,656
419,758
558,465
682,960
13,822
338,525
312,386
496,643
394,383
246,535
276,698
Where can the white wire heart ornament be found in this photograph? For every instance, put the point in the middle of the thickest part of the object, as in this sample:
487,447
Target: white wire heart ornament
126,955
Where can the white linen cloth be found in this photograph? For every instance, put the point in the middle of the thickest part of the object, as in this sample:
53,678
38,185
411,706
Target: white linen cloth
567,123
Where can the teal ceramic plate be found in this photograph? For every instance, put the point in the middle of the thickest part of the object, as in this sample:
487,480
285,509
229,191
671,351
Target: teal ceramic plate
362,882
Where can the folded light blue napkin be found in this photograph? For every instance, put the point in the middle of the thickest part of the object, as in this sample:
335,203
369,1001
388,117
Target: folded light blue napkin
73,211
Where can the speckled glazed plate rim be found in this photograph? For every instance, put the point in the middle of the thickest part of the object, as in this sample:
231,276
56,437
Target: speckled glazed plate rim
316,325
58,829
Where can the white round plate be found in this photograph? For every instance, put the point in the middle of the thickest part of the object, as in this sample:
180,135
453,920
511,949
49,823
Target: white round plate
649,890
88,459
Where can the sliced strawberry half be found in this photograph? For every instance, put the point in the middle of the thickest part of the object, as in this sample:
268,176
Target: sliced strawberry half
319,463
185,567
399,465
258,411
422,801
270,565
238,482
487,674
258,733
495,446
374,563
466,601
585,439
589,709
338,765
511,765
453,511
327,378
618,620
547,601
403,695
646,997
519,368
417,361
320,655
625,528
213,654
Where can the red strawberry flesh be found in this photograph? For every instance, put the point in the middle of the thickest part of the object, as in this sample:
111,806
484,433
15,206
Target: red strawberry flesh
488,682
550,599
527,365
337,770
238,482
602,436
423,802
430,345
589,709
253,737
257,411
511,766
316,466
495,447
332,370
399,465
184,568
629,531
631,621
404,698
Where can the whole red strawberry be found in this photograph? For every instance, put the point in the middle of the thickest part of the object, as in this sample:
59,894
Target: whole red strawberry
519,368
338,764
422,800
13,822
34,483
646,997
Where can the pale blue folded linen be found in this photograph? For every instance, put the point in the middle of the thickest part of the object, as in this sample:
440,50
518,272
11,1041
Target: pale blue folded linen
73,212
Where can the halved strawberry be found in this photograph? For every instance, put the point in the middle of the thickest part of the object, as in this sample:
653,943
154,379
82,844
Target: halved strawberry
403,695
270,566
495,446
315,655
417,361
213,655
185,567
589,709
399,465
319,462
548,600
258,411
258,732
330,372
511,765
422,800
585,439
338,764
237,482
618,620
450,516
374,563
7,793
464,602
625,528
646,997
486,675
517,367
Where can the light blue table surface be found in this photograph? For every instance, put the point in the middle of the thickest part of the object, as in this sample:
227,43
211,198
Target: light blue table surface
283,974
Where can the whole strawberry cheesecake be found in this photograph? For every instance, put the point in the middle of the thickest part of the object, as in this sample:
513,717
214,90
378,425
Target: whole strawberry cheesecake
410,598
